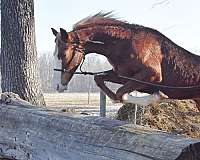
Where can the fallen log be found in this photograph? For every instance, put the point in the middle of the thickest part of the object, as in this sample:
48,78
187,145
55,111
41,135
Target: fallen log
31,133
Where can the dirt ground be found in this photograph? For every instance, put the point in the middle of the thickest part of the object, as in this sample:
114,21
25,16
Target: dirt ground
178,117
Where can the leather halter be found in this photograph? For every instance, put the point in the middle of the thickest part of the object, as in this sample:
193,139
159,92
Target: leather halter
77,40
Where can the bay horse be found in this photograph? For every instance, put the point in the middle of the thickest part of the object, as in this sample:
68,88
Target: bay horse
143,59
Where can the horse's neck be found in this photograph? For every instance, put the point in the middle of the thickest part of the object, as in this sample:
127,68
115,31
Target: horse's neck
98,48
96,38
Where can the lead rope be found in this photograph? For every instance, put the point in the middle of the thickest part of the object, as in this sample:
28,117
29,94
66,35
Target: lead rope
128,78
82,65
132,79
88,73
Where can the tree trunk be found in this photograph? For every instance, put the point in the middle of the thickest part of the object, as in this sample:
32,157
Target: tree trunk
19,67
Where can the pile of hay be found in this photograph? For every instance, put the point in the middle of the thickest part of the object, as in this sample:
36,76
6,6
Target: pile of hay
179,117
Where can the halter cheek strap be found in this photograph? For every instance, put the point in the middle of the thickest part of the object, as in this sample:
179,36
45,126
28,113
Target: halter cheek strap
77,40
77,44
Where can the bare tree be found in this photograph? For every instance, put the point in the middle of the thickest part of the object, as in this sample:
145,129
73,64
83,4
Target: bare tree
19,68
79,83
46,65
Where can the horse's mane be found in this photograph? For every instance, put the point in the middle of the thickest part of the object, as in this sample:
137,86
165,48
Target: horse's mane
111,25
100,18
109,19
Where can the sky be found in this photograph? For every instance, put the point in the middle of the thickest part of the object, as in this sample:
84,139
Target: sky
177,19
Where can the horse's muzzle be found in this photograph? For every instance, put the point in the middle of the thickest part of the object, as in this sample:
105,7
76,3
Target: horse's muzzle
61,88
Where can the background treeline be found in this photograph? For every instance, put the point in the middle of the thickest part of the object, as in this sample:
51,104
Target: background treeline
79,83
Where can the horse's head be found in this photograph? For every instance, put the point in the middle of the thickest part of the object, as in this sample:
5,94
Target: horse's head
68,52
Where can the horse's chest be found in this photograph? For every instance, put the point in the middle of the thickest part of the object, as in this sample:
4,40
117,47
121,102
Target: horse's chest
124,67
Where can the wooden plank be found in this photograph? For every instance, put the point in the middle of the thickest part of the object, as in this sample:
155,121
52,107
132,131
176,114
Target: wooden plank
40,134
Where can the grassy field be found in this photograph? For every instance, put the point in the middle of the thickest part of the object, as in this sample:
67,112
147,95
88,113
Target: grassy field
74,99
79,103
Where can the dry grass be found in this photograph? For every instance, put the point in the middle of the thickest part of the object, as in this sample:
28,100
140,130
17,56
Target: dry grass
179,117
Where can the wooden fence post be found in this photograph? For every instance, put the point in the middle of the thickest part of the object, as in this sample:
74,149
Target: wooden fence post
136,110
102,104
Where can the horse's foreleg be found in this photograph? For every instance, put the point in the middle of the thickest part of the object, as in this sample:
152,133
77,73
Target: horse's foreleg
145,100
111,77
145,75
130,86
123,95
100,81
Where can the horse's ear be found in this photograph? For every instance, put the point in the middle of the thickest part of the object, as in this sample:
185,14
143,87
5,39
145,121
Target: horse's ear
54,31
64,34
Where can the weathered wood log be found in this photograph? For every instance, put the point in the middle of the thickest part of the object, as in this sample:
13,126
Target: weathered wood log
41,134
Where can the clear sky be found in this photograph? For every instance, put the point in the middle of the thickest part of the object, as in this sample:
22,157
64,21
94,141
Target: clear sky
179,20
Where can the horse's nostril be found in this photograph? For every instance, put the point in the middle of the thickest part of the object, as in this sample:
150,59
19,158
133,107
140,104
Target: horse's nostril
64,82
61,88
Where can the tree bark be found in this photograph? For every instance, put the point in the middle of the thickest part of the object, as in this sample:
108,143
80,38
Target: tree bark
19,67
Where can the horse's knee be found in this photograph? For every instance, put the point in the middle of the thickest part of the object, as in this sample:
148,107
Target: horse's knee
127,88
120,92
98,79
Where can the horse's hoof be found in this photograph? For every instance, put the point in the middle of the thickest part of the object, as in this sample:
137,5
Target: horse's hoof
125,97
162,95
